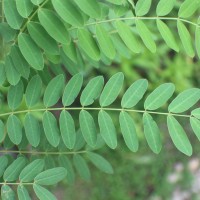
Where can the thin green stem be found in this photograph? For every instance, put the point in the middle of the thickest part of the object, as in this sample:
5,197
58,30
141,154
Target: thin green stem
94,109
14,184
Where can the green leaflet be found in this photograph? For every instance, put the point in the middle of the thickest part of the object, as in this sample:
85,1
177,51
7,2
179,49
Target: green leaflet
7,32
68,12
134,93
3,164
92,91
90,7
159,96
31,170
12,74
88,127
54,26
100,162
184,100
145,35
167,35
105,42
7,193
2,74
33,91
42,38
49,162
128,37
142,7
179,136
72,89
70,51
19,62
164,8
117,2
24,8
185,38
22,193
2,131
14,128
42,193
88,44
51,176
195,124
67,129
15,95
32,129
13,170
196,113
128,131
111,89
80,142
66,163
152,133
37,2
107,129
30,51
51,128
53,91
81,167
197,40
12,16
188,7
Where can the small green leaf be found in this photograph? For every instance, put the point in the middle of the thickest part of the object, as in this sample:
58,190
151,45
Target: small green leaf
51,128
22,193
80,142
159,96
196,113
3,164
53,25
100,162
68,12
53,91
111,89
167,35
179,136
15,95
195,124
92,91
90,7
88,44
105,42
7,193
81,167
32,129
70,51
197,40
37,2
30,51
2,74
14,128
145,35
2,131
184,100
142,7
42,193
128,131
128,37
72,89
42,38
164,8
152,133
134,93
185,38
33,91
67,128
188,8
24,7
13,170
31,170
107,129
116,2
51,176
13,18
88,127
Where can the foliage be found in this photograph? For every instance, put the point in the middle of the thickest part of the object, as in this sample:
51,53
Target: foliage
42,41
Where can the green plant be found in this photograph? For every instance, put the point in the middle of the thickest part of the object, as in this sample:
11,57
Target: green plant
40,41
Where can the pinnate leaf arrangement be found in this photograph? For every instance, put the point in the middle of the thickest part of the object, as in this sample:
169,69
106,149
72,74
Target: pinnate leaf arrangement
44,135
